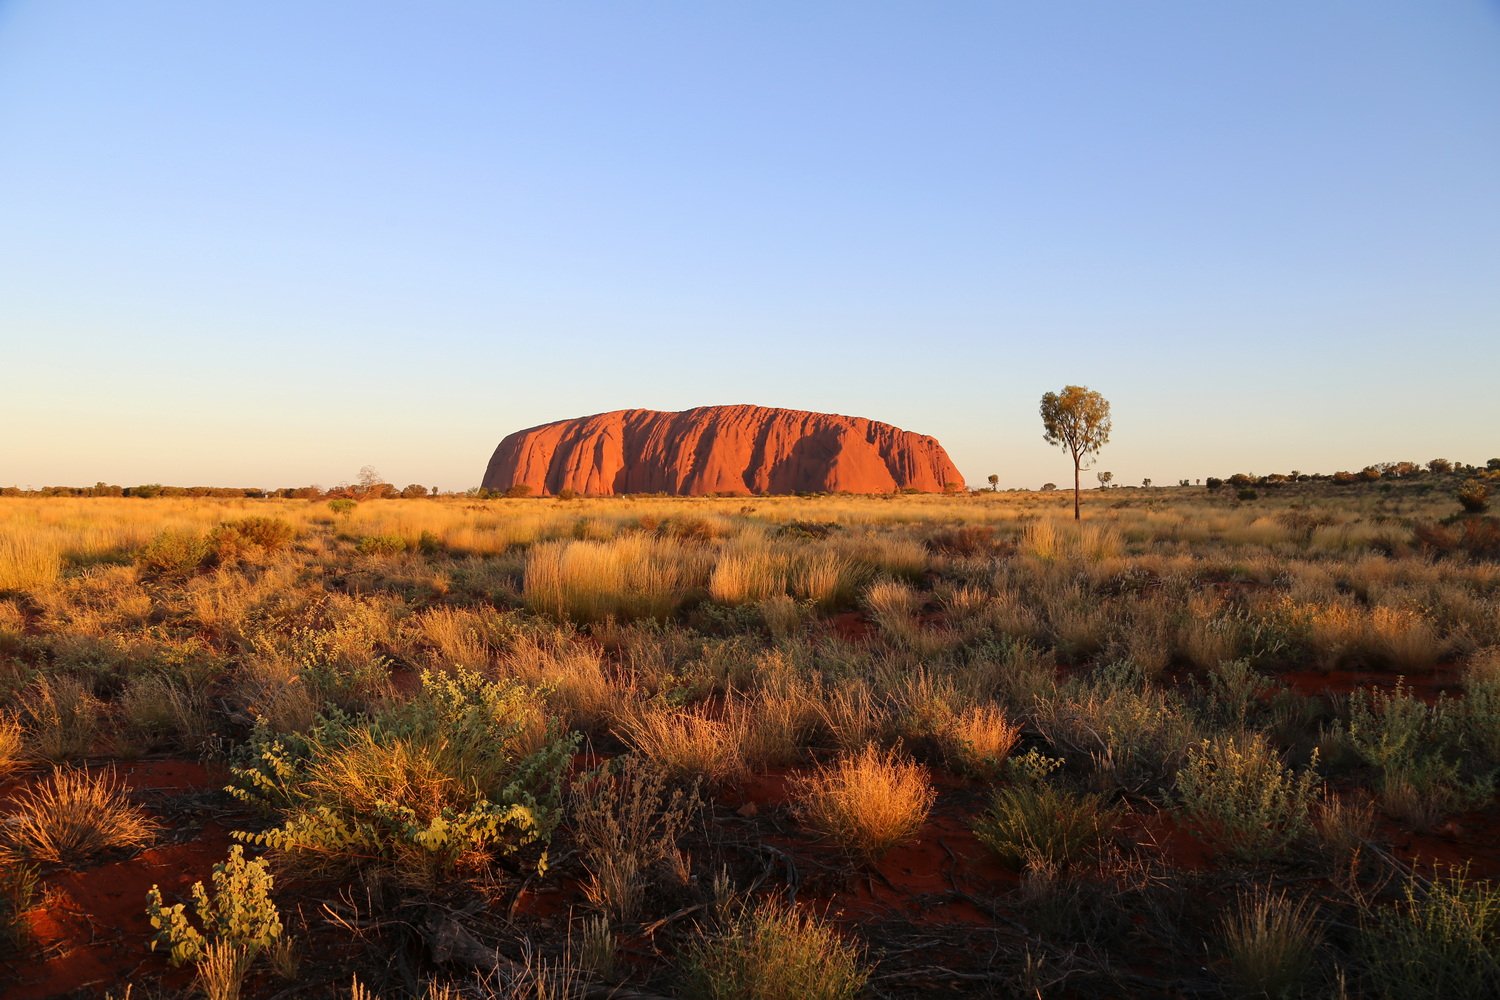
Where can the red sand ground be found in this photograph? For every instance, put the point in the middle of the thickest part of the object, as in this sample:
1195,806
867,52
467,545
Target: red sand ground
92,932
91,927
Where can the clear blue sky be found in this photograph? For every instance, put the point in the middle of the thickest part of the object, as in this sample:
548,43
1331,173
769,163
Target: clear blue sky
268,243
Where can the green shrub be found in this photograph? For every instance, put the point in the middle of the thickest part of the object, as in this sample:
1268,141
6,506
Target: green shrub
240,911
1036,823
1440,941
771,952
173,553
1419,751
1250,803
382,545
467,769
1474,496
233,540
18,883
343,506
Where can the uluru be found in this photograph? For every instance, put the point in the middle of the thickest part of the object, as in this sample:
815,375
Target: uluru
708,450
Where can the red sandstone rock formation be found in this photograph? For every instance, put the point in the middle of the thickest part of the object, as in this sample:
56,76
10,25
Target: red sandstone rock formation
719,449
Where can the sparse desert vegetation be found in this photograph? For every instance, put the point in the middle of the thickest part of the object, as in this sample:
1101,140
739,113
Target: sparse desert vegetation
751,747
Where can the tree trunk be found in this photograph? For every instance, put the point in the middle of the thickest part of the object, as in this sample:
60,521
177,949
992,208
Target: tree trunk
1076,515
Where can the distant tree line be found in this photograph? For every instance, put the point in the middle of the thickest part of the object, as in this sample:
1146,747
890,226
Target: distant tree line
1436,468
369,486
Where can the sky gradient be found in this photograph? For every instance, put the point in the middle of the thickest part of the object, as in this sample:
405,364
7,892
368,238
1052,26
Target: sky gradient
267,244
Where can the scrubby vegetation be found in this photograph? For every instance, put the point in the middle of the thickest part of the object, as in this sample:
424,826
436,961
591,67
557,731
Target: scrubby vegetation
826,746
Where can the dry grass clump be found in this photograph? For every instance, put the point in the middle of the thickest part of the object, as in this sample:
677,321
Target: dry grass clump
1403,639
1270,942
1344,824
29,561
12,746
632,576
447,636
853,715
752,570
73,816
627,825
868,802
826,577
895,607
61,717
161,711
981,738
771,951
572,674
689,744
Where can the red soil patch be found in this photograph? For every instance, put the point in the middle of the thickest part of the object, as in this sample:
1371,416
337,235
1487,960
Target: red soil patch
918,880
1317,683
1177,843
90,932
1465,839
758,792
852,627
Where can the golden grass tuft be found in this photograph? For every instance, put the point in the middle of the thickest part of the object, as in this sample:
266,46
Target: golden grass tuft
632,576
28,561
12,746
1270,942
749,572
73,816
868,801
981,738
689,744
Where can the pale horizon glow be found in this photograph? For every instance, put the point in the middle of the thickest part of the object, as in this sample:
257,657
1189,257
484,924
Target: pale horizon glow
266,245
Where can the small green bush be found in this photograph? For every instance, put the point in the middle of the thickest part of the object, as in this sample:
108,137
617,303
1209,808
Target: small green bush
774,951
467,769
343,506
382,545
1420,751
1038,823
18,883
1133,734
173,553
1474,496
233,540
1250,803
1440,941
240,911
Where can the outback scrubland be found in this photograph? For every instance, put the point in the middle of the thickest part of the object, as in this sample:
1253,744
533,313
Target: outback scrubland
1195,746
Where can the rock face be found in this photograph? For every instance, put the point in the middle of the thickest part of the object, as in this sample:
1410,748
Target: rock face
719,449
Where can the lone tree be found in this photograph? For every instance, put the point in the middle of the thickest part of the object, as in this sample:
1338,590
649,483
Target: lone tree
994,482
1076,420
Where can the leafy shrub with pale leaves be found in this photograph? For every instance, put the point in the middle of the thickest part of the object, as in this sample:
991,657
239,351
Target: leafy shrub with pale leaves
1440,941
1250,802
239,911
1036,823
1419,750
467,769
